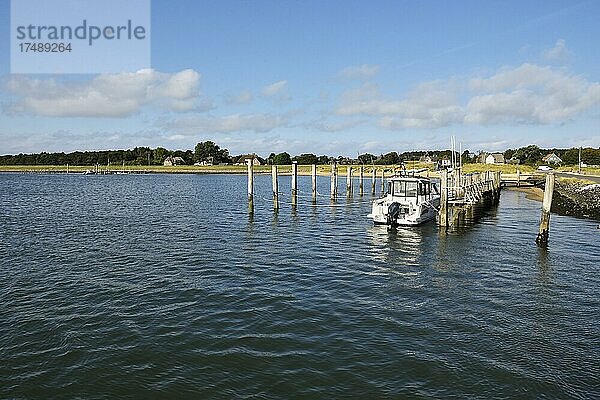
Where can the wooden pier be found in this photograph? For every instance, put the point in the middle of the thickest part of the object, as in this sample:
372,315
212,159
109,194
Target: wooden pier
460,193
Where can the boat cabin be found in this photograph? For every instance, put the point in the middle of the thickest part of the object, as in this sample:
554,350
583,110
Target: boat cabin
415,188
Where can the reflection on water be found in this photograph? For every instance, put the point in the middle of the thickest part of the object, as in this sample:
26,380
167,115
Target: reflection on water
402,246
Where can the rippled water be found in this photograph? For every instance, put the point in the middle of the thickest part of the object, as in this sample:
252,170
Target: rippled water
141,286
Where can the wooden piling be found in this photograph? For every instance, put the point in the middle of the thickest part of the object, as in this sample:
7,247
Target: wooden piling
349,181
333,181
275,187
314,182
373,180
443,214
294,183
542,237
250,186
518,177
361,177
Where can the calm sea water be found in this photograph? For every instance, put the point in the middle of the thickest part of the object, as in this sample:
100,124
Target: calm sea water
161,286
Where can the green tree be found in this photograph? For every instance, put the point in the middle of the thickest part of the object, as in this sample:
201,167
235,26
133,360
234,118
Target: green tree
159,155
306,159
204,150
282,159
390,158
324,160
530,155
366,158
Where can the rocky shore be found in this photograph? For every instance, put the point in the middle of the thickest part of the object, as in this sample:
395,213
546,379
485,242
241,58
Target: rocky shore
576,198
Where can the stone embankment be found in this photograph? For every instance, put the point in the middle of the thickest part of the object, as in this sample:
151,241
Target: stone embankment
576,198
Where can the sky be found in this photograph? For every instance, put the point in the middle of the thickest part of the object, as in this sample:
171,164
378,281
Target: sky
327,77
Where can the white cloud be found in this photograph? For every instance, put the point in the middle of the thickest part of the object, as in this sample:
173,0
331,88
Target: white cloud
527,94
530,94
429,105
241,98
106,95
559,53
277,90
332,126
258,123
364,71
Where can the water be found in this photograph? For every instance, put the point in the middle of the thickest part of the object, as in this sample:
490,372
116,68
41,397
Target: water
141,286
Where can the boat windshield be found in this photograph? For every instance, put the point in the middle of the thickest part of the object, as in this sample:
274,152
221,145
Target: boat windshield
403,188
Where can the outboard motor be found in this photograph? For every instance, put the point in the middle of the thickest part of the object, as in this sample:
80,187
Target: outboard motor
392,214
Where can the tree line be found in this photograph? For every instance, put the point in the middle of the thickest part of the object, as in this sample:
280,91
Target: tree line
210,151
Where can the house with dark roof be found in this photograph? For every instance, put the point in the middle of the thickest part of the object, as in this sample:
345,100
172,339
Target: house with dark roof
241,160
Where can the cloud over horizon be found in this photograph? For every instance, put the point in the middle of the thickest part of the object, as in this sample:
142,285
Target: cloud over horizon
106,95
527,94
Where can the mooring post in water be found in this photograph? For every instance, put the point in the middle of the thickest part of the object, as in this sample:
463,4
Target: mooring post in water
349,181
67,168
361,174
498,185
443,217
373,180
333,181
249,163
314,182
542,237
275,187
294,183
518,177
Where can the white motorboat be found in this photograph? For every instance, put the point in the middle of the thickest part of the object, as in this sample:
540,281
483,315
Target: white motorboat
410,200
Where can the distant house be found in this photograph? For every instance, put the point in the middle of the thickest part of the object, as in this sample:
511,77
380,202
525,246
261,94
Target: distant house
444,163
552,159
208,161
495,158
171,161
242,159
428,159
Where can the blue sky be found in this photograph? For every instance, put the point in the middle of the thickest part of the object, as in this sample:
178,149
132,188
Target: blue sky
327,77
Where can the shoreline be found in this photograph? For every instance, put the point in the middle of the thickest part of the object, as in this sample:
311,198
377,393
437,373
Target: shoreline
531,193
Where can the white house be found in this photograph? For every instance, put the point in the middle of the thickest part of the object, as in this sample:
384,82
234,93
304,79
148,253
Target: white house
552,159
495,158
171,161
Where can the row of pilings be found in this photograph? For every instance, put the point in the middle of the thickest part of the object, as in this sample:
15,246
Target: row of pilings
334,192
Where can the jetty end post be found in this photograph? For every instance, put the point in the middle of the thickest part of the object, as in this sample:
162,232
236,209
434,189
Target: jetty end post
250,164
349,181
361,174
373,180
542,237
275,187
498,186
294,183
443,215
314,183
333,181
